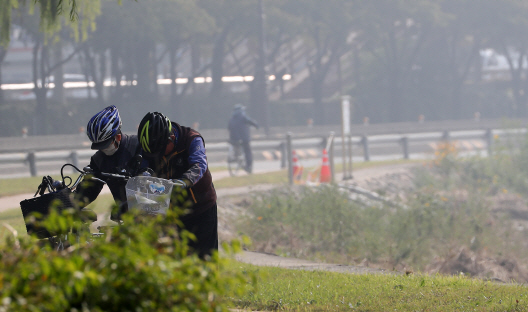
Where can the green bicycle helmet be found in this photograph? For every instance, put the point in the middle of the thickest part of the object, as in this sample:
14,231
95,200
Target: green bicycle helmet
153,132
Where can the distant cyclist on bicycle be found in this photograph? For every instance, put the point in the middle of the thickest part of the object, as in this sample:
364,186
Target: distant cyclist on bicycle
116,152
239,133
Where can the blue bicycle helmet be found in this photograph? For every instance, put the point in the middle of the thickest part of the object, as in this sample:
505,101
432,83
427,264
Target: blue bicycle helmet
103,127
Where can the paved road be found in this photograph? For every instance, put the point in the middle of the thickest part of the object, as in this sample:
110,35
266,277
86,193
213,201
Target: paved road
10,202
379,147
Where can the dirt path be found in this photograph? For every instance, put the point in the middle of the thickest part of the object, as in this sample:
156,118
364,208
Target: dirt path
13,201
263,259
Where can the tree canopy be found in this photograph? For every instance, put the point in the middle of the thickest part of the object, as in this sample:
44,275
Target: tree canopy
397,59
79,15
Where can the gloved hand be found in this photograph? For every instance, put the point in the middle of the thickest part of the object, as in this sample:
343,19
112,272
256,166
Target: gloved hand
184,183
147,172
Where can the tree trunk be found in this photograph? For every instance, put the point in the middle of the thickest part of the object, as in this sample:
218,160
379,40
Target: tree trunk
516,80
459,74
174,98
41,124
317,94
58,75
395,96
97,78
40,89
117,89
3,53
217,65
195,63
318,73
143,64
154,69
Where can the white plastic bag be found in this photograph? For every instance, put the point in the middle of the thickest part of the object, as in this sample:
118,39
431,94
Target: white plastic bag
148,194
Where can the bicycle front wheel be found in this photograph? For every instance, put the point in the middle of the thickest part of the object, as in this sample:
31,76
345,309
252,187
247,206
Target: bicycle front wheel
234,167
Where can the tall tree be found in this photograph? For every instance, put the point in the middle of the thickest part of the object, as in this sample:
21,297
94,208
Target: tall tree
128,33
233,19
327,27
3,53
393,32
461,32
192,25
508,37
80,17
42,67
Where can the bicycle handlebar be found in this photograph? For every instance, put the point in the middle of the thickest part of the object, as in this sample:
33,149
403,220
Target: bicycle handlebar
114,175
53,185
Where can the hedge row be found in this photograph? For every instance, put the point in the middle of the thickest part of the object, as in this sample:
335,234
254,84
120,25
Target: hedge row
142,265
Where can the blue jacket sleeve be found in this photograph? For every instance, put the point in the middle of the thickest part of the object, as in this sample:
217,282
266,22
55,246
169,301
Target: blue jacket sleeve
198,161
250,121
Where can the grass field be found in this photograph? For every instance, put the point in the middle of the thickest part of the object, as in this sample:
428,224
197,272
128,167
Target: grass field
20,185
298,290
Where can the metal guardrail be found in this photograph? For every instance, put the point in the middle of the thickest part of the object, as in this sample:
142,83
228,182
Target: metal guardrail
31,158
283,144
79,141
283,147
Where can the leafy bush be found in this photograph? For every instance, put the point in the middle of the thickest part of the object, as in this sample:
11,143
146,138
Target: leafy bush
142,265
324,223
475,203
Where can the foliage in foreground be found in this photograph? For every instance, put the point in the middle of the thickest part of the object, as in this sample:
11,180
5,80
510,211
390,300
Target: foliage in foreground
298,290
142,265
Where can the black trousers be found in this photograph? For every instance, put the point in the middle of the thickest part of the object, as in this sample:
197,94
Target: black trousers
205,227
248,155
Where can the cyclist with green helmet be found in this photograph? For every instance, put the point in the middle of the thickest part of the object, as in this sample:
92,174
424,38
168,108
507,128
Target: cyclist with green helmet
177,153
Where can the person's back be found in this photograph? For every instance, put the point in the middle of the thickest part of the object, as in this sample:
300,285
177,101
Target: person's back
239,125
239,133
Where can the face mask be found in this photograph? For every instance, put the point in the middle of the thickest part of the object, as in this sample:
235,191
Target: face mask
109,151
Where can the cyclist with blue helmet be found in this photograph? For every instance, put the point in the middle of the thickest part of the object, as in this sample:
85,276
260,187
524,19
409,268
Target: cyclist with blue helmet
116,152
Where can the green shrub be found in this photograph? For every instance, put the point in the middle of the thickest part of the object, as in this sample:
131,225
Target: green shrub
142,265
323,223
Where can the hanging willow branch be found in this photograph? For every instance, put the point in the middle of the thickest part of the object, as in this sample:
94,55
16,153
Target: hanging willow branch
81,15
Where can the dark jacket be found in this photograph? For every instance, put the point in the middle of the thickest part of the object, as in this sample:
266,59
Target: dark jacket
239,126
89,189
176,166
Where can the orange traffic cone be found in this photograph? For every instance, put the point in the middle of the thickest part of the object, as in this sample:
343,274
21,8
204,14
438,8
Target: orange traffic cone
297,170
325,175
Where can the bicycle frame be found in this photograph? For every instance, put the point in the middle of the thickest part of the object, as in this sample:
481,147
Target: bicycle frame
55,187
235,158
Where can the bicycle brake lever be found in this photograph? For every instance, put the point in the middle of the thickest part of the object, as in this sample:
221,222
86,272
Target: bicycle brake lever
42,187
97,179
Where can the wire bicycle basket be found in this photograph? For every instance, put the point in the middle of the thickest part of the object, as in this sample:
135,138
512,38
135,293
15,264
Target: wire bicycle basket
60,200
